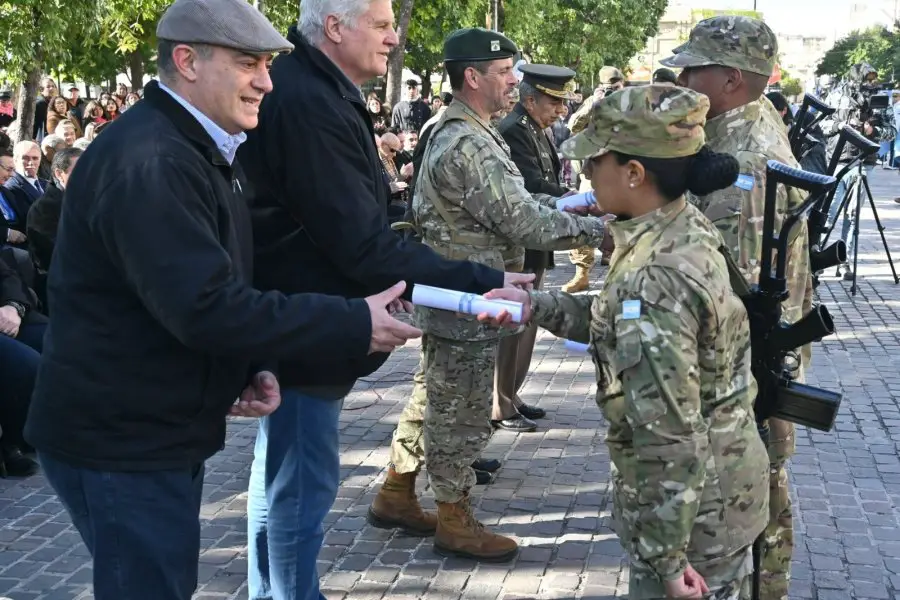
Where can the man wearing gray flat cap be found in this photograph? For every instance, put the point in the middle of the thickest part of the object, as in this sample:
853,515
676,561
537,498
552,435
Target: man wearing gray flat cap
157,333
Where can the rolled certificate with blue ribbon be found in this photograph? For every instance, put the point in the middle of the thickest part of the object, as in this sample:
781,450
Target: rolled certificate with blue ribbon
576,347
461,302
576,200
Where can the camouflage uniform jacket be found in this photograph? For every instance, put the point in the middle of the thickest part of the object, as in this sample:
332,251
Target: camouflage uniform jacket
471,203
751,134
671,347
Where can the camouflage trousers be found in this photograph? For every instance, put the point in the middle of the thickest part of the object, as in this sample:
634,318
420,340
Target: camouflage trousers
778,546
728,578
408,444
459,385
583,257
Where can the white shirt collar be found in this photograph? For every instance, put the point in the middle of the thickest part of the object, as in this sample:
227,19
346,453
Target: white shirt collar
224,141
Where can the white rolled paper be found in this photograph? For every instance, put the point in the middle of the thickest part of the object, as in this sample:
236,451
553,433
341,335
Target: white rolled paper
582,199
576,347
461,302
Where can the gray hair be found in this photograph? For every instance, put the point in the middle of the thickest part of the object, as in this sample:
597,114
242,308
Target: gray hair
52,141
314,12
526,90
22,147
63,159
81,143
165,65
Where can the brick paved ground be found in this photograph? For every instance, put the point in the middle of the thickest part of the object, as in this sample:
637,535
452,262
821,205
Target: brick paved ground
552,491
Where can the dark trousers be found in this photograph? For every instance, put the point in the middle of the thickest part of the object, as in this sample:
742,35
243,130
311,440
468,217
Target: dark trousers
513,362
141,528
19,360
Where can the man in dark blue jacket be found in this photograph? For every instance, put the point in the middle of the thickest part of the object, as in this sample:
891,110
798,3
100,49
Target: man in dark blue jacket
320,225
155,327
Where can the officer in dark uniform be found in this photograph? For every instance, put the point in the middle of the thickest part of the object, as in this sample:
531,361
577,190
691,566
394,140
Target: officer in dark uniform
543,94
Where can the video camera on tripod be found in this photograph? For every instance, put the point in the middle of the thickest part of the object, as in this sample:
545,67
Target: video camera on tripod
860,100
821,255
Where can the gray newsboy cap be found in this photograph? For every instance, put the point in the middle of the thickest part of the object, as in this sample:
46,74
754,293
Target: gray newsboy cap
228,23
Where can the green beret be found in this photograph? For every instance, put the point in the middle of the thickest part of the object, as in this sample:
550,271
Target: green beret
477,44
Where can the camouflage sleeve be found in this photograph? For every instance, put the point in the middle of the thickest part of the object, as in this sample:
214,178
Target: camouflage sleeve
582,116
545,200
494,194
564,315
658,358
737,212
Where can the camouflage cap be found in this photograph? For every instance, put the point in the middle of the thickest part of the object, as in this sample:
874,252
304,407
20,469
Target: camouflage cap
730,41
610,74
656,121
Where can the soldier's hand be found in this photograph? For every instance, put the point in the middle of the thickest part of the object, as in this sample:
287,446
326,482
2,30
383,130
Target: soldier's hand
690,586
387,332
518,280
504,319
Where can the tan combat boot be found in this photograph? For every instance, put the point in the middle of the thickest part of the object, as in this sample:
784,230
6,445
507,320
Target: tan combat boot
580,282
396,507
460,534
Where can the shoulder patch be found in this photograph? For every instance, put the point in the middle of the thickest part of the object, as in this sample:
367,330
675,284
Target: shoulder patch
631,309
745,182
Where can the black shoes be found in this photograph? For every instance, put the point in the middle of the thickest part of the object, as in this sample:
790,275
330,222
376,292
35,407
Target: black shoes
485,469
518,423
532,412
15,464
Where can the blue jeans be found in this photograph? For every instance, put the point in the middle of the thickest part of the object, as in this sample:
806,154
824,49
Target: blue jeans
141,528
293,483
843,188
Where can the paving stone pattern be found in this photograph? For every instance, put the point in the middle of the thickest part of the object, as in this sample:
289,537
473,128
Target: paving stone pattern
552,492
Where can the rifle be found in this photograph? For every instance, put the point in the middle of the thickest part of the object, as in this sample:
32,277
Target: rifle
822,257
799,137
779,395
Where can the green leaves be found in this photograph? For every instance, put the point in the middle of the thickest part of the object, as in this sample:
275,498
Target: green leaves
877,46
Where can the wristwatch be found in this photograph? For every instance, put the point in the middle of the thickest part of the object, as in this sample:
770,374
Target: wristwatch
20,308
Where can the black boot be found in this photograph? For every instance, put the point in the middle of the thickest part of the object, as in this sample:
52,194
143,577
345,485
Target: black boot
16,464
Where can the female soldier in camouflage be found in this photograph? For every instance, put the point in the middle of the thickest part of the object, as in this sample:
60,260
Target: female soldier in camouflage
671,346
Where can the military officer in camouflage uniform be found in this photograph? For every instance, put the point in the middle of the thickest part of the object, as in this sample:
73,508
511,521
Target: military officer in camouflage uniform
671,347
730,59
611,79
470,201
542,100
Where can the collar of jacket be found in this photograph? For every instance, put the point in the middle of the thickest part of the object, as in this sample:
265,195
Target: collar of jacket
524,116
460,110
627,233
185,122
723,125
305,52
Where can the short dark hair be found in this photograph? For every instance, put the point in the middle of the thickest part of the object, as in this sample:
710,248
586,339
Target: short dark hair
63,159
456,71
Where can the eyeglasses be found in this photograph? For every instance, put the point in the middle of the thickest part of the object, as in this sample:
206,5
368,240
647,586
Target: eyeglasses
7,169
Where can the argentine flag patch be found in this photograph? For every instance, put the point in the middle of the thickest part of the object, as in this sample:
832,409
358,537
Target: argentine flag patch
745,182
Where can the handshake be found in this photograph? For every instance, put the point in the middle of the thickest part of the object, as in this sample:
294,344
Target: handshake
389,333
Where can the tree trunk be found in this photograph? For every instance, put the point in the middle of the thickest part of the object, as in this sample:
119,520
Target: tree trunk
260,5
426,83
136,69
501,16
395,59
25,106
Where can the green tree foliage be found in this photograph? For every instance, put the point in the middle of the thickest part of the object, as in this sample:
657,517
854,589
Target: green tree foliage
877,46
582,34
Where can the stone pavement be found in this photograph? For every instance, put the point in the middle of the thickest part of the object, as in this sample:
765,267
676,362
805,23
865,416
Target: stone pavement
552,490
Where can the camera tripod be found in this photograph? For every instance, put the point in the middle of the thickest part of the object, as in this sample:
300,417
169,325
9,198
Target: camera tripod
855,193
